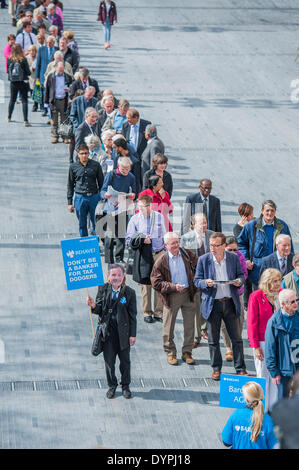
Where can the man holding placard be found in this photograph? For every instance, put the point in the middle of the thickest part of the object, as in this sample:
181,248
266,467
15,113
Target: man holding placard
219,275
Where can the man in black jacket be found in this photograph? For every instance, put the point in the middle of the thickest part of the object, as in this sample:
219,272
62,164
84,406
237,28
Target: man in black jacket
87,127
56,96
85,181
83,82
68,54
117,310
204,203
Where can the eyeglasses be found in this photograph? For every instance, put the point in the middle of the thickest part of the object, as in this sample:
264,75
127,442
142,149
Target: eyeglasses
215,246
143,205
293,301
231,249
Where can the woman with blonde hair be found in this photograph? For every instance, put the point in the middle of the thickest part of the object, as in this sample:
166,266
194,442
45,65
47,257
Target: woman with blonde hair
250,427
262,304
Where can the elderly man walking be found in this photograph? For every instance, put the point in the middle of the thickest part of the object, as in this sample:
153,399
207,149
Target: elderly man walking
172,276
281,259
281,342
56,96
154,146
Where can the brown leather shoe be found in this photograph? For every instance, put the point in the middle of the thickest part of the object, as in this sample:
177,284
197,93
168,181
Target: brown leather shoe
242,372
195,344
229,356
54,140
66,141
187,357
216,374
172,360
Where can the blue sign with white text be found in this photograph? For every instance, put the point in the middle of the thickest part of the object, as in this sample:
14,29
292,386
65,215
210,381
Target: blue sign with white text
82,262
231,395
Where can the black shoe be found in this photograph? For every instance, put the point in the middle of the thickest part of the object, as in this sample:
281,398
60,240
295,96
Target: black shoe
45,113
111,392
127,392
160,319
148,319
34,109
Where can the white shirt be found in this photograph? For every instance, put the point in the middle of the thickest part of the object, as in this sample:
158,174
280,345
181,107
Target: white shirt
221,275
27,39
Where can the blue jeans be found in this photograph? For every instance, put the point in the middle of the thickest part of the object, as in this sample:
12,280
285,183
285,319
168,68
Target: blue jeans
107,30
85,205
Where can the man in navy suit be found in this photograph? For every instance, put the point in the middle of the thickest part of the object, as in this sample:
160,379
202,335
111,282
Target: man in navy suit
202,202
80,104
42,62
133,130
281,259
221,301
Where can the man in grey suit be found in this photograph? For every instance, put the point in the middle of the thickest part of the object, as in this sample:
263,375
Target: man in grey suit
154,146
198,241
281,259
87,127
80,104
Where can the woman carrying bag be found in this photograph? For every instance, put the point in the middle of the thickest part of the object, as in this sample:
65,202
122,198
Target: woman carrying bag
18,74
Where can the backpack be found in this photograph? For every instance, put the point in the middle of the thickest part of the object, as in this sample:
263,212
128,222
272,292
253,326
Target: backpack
15,72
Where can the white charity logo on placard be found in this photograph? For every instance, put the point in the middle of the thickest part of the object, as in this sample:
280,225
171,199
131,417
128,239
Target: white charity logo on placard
70,254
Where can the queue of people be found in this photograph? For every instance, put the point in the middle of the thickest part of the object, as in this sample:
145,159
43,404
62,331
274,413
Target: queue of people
120,190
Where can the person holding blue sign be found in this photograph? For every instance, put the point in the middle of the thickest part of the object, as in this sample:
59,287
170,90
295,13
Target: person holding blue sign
250,427
117,310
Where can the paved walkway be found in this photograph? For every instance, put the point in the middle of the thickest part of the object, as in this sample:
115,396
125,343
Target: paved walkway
216,80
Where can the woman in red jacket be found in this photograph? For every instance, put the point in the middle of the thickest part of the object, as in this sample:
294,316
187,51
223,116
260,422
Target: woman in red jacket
161,200
262,304
107,16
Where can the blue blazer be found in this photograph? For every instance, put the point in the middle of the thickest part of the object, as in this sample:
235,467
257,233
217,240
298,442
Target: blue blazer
42,63
79,106
205,269
271,261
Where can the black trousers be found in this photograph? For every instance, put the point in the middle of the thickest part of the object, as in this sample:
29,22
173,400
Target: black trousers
116,231
15,88
111,350
225,310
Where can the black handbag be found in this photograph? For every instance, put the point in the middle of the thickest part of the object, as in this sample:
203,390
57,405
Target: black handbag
98,343
65,130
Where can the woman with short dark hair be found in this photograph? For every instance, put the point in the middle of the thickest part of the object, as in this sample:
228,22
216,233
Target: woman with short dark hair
159,164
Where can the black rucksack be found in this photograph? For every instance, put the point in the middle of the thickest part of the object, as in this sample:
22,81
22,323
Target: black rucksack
16,73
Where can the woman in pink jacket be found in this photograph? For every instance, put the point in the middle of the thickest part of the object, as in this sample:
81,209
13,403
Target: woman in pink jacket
262,304
11,40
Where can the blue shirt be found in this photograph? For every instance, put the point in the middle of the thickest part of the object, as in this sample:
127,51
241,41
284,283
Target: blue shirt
269,231
237,431
140,224
178,270
120,183
118,121
59,86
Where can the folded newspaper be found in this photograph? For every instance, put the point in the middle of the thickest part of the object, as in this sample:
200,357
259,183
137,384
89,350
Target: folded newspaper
118,202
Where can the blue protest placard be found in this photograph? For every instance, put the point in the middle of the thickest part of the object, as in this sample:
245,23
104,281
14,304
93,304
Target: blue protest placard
231,395
82,262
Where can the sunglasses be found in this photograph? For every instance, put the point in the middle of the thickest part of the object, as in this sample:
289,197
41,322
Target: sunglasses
293,301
